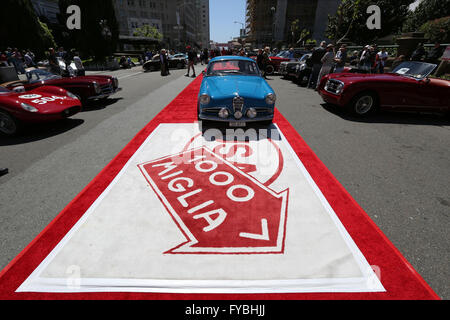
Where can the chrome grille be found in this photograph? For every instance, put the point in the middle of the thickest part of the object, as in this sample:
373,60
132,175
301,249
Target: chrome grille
238,104
108,88
332,86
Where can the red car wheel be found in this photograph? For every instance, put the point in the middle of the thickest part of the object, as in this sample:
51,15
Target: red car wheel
364,103
8,125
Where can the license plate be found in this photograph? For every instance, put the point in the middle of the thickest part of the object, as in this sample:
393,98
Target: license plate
238,124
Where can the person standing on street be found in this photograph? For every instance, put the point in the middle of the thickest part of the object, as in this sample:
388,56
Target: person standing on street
373,58
341,59
259,60
316,58
382,57
29,60
79,64
291,53
53,62
205,56
364,61
265,61
419,53
163,61
435,54
327,63
191,62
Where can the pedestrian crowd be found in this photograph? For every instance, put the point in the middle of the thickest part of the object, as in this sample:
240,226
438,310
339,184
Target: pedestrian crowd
23,59
19,59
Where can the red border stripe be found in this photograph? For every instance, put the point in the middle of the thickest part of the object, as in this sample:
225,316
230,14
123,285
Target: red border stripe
398,276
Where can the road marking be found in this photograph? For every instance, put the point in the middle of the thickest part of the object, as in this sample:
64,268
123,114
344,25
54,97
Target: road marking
131,75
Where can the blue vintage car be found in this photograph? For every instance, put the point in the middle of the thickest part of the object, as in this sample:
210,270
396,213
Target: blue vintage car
233,91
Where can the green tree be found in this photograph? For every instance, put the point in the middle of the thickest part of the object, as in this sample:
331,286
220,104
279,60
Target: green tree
437,30
99,32
350,20
148,32
426,11
20,27
298,34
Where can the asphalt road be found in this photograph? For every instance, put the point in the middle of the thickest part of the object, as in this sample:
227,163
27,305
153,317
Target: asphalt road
396,166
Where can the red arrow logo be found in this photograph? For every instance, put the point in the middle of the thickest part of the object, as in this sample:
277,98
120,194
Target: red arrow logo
218,207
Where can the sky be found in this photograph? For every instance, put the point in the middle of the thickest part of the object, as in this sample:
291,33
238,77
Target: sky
413,5
223,14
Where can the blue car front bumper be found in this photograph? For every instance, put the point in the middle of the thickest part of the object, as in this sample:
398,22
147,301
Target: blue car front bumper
209,117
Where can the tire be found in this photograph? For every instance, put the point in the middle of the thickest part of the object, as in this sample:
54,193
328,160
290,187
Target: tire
9,126
270,70
364,104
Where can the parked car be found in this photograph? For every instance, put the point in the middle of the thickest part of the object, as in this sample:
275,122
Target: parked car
180,56
407,88
275,61
288,69
84,87
42,104
233,91
303,71
155,64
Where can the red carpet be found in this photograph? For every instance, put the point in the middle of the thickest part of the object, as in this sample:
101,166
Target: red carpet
399,279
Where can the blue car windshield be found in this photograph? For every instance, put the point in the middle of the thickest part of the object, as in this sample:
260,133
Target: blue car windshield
233,67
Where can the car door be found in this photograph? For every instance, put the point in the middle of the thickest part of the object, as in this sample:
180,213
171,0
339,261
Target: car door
434,94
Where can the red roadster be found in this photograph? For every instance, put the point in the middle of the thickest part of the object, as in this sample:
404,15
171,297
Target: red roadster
84,87
38,105
407,88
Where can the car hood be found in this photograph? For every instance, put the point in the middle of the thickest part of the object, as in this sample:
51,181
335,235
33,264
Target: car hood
244,86
35,97
355,77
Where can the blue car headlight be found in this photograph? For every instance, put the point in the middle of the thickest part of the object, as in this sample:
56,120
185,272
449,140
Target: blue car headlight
205,99
223,113
271,99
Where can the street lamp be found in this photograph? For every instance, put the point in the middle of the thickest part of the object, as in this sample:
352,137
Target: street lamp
243,28
273,10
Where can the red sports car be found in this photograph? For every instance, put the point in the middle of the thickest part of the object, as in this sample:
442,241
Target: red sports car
38,105
283,56
84,87
407,88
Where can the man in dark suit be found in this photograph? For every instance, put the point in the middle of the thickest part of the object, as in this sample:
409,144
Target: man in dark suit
316,61
164,63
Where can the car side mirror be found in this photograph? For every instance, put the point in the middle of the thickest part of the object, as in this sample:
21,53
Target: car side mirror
425,81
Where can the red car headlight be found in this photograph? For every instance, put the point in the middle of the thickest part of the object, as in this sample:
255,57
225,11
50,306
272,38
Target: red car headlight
28,108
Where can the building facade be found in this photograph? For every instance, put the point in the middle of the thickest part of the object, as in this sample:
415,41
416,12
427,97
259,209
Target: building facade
269,21
181,22
203,23
46,10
